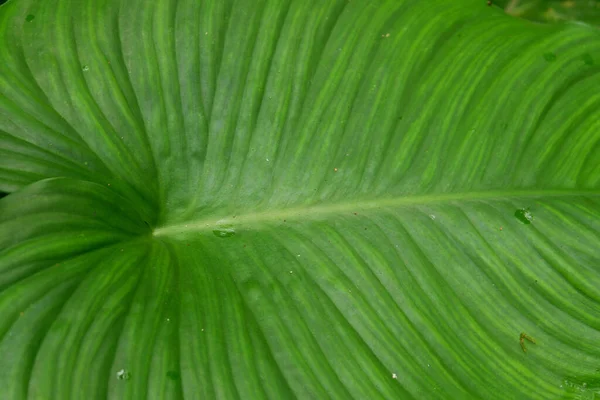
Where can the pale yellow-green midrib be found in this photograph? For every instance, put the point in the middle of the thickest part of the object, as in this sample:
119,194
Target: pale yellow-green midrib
320,211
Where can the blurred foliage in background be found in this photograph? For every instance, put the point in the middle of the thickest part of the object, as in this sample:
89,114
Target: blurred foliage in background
553,11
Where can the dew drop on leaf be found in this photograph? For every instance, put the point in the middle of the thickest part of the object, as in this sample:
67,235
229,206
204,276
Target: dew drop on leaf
224,232
30,18
524,215
123,375
85,68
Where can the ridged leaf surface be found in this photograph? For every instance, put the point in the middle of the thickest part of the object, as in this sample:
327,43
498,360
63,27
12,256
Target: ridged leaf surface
297,199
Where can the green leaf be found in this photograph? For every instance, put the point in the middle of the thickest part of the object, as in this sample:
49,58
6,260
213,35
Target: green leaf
553,10
291,199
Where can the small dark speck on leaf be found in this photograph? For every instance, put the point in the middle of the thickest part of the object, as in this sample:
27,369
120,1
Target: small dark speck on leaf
355,213
489,3
587,59
550,57
174,375
30,18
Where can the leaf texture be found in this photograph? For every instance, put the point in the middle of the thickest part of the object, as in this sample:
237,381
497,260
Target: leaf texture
293,199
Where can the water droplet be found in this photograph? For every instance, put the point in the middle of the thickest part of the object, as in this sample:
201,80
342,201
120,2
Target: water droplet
174,375
524,215
30,18
550,57
85,68
431,216
224,232
123,375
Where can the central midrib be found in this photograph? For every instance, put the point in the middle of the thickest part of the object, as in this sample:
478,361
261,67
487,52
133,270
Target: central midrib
319,211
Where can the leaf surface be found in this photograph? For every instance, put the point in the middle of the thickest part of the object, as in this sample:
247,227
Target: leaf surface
291,199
